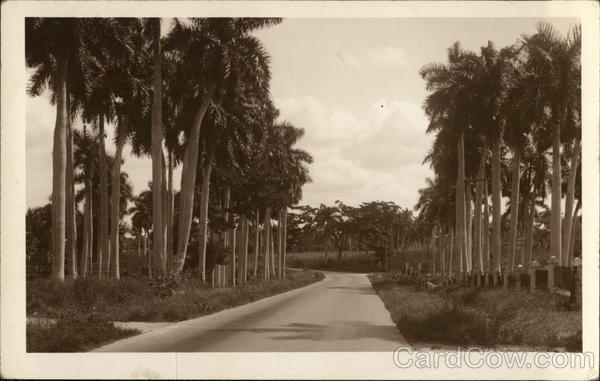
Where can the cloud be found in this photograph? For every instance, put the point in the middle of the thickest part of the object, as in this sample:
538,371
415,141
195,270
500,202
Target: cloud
375,157
387,56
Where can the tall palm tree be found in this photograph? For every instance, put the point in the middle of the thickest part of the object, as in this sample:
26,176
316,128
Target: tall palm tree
215,54
157,142
521,110
556,62
84,158
52,48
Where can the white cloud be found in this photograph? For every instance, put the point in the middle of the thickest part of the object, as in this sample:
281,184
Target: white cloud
383,56
377,157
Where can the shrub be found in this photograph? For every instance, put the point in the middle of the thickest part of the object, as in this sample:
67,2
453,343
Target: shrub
457,315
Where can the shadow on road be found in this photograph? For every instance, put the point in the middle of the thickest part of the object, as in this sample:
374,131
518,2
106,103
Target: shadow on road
334,330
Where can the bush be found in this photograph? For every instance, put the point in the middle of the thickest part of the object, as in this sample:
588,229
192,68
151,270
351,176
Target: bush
466,316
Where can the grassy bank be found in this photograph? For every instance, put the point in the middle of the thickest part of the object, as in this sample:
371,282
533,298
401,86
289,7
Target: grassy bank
73,334
467,316
82,311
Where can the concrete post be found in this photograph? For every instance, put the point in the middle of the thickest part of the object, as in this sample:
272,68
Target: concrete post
520,270
552,262
532,269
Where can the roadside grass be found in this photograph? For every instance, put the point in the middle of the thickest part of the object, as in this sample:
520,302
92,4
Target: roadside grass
72,334
77,315
468,316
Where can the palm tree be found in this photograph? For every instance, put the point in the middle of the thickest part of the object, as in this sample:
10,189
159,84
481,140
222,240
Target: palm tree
520,108
556,62
448,108
157,141
84,157
128,73
216,54
52,48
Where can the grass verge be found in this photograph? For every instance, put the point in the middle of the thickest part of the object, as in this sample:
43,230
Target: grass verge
73,334
77,315
468,316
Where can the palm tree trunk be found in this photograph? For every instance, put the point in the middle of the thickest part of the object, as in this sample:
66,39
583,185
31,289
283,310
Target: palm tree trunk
279,245
567,229
555,228
139,250
104,255
469,226
574,233
496,205
59,168
157,153
443,255
285,213
460,204
451,252
266,241
528,244
204,198
233,263
91,230
569,253
165,212
433,250
256,242
477,244
87,227
170,208
114,207
149,260
486,229
514,207
272,251
243,248
188,181
70,228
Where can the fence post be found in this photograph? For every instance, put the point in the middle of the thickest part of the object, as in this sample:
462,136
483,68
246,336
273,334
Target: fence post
532,269
550,268
518,277
576,283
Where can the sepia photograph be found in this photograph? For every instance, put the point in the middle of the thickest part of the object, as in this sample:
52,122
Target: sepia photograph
203,189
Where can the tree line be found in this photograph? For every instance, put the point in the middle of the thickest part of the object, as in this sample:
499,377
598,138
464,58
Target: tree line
195,95
507,122
380,228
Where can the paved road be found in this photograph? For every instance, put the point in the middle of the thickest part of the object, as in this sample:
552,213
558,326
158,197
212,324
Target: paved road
340,313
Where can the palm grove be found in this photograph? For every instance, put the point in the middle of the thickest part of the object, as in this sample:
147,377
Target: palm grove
196,97
507,122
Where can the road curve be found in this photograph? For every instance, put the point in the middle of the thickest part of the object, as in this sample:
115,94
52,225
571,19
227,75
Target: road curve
340,313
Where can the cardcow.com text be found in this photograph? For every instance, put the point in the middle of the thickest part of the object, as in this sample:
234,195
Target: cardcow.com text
476,357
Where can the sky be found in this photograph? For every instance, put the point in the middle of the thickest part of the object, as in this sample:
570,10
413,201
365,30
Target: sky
352,84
